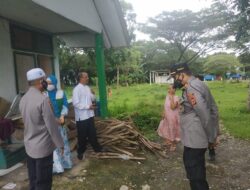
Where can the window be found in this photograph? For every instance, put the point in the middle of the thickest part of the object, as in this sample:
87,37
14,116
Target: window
43,43
32,41
45,63
23,63
21,39
31,49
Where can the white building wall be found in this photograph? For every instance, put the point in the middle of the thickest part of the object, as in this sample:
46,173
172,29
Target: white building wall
7,71
163,79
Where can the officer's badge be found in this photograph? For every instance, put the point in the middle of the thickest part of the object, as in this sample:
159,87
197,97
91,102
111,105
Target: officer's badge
191,99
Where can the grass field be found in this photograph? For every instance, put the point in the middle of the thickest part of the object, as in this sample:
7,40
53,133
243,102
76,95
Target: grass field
231,100
144,104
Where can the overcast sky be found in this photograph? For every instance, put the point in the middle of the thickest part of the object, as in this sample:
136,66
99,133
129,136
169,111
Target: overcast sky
150,8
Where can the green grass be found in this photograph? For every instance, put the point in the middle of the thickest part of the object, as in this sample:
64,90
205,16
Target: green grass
231,99
144,104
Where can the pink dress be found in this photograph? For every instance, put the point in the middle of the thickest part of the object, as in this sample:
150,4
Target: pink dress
169,127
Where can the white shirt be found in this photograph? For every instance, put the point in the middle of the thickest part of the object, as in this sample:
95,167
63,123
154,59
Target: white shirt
82,100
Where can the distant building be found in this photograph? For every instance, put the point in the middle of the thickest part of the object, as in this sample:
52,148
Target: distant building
160,77
209,78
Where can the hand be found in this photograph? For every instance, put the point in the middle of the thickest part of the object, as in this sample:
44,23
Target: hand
94,103
62,120
92,107
212,145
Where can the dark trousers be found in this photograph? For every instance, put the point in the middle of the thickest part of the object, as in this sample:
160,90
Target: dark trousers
86,132
194,161
40,172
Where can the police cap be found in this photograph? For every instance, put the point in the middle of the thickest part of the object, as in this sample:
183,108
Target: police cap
179,68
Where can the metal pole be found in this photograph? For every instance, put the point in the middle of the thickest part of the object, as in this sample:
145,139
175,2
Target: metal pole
101,75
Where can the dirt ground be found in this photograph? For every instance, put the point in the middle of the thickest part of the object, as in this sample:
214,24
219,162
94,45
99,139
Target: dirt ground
231,171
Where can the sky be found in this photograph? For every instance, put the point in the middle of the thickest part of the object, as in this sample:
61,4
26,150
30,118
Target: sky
150,8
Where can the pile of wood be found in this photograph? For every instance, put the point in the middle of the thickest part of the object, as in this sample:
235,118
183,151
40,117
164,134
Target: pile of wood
120,139
124,140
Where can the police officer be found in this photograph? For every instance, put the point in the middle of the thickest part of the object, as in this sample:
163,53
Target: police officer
197,128
41,134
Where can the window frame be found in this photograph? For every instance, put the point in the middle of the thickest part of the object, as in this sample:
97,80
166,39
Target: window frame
15,66
34,39
30,52
52,61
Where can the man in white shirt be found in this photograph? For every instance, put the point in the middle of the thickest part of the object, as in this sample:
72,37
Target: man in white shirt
84,115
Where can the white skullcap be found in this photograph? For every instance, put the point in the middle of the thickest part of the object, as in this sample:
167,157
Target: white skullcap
34,74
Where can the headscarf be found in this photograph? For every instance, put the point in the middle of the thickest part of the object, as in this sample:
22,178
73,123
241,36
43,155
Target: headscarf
52,97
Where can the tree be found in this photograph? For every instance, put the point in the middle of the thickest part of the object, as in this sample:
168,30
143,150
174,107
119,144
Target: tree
244,59
114,58
126,64
155,55
74,60
243,19
160,55
121,62
221,63
186,30
130,17
238,24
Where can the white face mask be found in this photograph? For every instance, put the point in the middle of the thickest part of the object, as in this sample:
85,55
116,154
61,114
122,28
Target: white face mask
51,87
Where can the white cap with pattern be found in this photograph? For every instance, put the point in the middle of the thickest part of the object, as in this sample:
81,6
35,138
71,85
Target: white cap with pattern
34,74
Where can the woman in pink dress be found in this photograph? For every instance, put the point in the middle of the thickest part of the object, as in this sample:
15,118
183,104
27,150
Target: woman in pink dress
169,127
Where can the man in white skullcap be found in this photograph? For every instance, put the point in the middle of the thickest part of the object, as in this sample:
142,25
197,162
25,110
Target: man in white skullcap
41,134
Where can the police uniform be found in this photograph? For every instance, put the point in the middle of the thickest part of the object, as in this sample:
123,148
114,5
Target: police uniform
41,134
198,116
